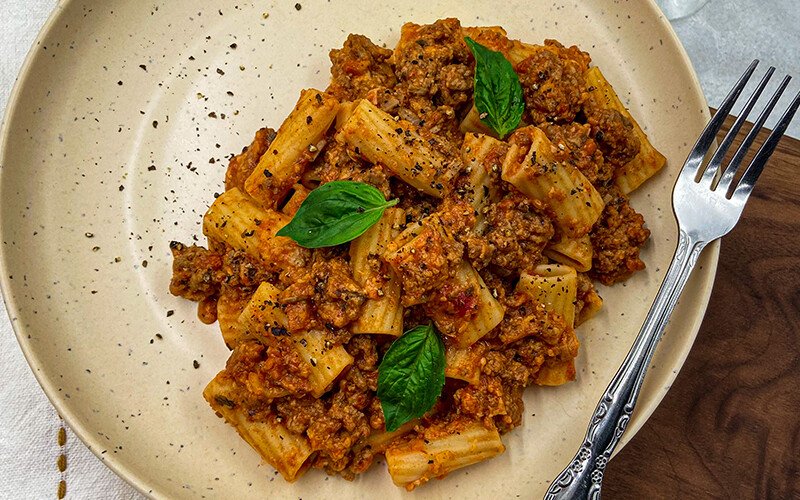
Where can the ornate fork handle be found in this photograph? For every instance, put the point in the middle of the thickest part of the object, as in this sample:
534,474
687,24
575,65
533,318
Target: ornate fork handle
583,477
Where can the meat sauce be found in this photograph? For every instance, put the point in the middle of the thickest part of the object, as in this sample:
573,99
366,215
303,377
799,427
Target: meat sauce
427,81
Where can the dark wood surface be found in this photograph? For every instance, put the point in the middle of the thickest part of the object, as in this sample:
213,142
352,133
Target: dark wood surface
730,426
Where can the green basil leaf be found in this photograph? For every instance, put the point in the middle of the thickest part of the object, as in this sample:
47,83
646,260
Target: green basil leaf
498,93
411,376
335,213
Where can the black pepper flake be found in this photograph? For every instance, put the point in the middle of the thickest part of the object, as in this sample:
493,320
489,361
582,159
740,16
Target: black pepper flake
220,72
89,235
144,263
229,93
212,114
159,336
298,6
143,67
309,120
121,187
155,124
233,46
212,161
170,313
267,173
151,168
195,364
119,83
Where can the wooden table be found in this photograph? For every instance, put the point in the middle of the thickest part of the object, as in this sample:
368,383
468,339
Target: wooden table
730,426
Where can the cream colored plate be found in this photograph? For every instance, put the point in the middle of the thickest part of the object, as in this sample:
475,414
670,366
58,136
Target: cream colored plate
114,144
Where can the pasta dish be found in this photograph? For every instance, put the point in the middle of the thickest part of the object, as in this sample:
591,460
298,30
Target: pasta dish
413,247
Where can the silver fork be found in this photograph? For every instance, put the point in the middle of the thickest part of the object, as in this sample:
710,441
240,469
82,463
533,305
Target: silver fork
707,207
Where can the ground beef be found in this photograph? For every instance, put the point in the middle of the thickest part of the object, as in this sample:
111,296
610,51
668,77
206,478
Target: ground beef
433,60
613,133
518,230
329,287
575,147
242,270
482,401
616,238
262,371
458,216
426,262
358,67
435,72
552,83
334,425
452,306
196,272
533,352
242,165
335,163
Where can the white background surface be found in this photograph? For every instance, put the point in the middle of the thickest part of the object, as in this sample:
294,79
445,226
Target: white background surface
721,39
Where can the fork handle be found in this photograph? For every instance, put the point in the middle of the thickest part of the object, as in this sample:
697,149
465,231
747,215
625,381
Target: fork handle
583,477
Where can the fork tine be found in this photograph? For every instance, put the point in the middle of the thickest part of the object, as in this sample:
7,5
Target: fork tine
722,150
745,186
695,159
738,157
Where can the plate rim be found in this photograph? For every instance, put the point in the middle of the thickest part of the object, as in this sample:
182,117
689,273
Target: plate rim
705,286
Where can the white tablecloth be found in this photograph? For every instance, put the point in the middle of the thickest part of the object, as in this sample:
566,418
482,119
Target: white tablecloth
721,39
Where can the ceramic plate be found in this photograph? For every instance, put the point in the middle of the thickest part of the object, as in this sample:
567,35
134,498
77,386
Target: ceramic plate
114,143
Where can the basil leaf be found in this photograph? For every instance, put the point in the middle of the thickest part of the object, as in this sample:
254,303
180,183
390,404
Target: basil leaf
335,213
498,93
411,376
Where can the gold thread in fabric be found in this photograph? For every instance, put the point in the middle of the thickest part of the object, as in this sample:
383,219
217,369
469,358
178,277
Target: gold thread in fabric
61,461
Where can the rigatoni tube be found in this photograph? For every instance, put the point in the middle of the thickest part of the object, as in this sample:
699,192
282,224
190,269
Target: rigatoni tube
555,286
415,462
648,161
531,167
236,220
383,313
282,165
288,452
376,136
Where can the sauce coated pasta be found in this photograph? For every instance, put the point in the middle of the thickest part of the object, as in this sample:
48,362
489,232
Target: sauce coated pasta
487,242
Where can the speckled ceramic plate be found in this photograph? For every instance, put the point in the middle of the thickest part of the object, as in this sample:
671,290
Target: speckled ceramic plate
114,144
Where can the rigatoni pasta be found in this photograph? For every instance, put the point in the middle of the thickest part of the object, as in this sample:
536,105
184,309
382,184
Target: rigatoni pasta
648,161
382,314
282,449
555,286
530,167
573,252
441,451
375,135
295,145
477,236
